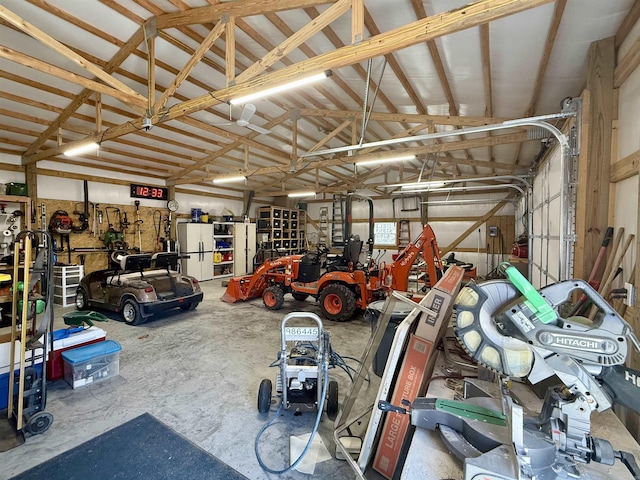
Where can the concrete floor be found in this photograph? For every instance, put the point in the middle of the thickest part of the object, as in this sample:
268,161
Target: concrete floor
198,372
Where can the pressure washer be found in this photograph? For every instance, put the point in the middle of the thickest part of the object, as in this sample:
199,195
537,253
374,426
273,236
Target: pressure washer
303,377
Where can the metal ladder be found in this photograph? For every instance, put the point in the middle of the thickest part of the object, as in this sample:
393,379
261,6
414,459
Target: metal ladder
323,227
403,234
337,232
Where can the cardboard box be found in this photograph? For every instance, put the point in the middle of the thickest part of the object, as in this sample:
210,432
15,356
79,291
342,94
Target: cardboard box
417,368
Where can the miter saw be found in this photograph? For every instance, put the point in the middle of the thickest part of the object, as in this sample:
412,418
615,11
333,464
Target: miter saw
517,331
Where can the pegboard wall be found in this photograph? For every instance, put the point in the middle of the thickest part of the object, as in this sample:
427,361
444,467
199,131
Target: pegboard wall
143,235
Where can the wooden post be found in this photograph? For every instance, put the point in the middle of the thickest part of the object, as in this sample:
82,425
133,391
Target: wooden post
594,162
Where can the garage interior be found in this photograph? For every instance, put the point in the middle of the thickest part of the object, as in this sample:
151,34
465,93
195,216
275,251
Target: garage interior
189,174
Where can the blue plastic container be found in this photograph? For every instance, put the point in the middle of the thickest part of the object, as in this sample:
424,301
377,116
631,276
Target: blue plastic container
92,363
196,215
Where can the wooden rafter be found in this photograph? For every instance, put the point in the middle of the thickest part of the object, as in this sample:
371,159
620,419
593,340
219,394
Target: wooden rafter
50,42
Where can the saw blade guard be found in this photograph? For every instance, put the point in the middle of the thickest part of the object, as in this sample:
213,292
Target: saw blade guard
479,334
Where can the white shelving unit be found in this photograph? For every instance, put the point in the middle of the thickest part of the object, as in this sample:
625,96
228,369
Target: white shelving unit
65,282
223,233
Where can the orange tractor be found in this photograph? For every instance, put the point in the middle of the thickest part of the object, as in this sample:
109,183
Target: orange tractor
346,286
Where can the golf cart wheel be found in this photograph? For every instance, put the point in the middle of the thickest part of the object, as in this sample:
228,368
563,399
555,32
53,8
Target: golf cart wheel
131,312
301,297
82,299
189,307
264,396
332,399
337,302
39,423
273,297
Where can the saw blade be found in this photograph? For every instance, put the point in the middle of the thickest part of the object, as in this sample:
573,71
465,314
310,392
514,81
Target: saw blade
477,309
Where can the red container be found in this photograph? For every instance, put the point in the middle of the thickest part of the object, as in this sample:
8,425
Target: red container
55,364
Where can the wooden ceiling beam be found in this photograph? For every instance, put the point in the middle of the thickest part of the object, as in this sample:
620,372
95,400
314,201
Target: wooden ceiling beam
291,43
437,148
416,32
470,121
195,58
52,43
485,53
238,8
137,102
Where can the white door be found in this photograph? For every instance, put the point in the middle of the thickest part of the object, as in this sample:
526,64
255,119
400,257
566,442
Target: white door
206,236
244,248
206,266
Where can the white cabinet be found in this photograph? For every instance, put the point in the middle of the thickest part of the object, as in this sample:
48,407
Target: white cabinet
244,246
65,284
196,242
223,249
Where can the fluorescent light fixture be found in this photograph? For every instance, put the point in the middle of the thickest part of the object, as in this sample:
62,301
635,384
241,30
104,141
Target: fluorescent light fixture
280,88
401,158
423,185
237,178
301,194
83,148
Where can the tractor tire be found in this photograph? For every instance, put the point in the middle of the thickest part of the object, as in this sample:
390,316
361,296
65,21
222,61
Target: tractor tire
332,400
131,312
273,297
301,297
264,396
337,302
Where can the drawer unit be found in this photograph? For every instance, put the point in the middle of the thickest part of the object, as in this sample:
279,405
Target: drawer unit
65,283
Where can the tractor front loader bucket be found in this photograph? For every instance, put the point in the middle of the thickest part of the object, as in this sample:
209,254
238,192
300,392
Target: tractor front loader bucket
244,288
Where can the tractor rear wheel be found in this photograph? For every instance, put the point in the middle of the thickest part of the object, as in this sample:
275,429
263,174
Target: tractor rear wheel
337,302
273,297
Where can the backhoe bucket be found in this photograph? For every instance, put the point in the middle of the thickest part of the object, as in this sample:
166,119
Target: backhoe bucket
242,288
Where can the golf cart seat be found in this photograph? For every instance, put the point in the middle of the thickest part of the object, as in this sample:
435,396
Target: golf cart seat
165,260
135,262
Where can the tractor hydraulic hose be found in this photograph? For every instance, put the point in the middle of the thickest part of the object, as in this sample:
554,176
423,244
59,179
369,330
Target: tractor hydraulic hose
325,372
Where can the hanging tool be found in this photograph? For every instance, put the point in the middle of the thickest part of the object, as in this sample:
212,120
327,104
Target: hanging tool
157,226
137,224
84,214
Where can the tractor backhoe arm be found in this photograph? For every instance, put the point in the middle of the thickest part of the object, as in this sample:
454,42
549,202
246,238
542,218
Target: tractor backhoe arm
424,245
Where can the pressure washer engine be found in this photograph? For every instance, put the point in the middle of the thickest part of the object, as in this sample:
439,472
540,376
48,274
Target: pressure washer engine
304,357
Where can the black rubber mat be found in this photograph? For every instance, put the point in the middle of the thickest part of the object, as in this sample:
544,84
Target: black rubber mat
142,448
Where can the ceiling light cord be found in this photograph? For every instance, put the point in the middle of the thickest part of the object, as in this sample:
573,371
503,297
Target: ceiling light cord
366,117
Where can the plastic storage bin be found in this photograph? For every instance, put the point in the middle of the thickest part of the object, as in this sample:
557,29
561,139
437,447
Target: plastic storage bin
92,363
63,343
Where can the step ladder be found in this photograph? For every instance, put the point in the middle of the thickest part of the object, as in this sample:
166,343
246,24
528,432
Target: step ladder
323,227
403,234
337,221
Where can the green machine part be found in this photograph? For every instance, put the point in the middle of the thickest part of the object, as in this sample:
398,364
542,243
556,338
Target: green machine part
534,300
475,412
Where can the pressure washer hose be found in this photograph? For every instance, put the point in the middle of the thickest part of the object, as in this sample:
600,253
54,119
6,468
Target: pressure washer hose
325,371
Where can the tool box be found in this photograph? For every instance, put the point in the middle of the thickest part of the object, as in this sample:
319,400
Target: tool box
93,363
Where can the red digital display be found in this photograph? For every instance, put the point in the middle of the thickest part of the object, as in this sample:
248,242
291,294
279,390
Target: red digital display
148,191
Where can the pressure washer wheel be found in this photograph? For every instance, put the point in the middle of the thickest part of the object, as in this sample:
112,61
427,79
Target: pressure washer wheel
332,399
264,396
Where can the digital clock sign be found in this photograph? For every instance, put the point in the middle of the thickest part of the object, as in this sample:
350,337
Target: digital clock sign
149,191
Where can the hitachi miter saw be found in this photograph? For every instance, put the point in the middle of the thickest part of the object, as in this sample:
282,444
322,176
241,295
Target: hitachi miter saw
517,331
